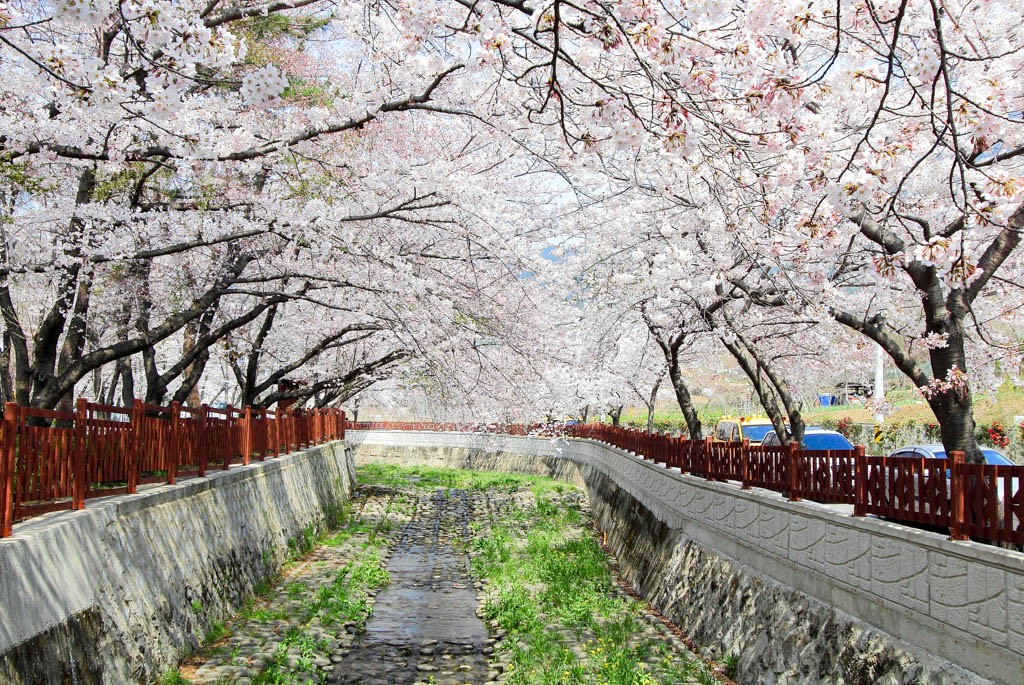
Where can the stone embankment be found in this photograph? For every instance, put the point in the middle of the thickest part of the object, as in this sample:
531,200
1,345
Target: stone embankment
117,593
786,592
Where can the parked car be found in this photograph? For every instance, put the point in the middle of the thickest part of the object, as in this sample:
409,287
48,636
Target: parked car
815,438
937,451
736,428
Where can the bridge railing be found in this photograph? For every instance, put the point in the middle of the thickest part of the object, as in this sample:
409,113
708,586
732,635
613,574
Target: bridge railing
970,500
56,460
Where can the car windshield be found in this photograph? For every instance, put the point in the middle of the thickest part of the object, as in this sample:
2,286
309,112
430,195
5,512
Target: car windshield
756,433
826,441
995,459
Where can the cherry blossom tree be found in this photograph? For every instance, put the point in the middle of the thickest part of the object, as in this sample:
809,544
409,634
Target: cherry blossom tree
184,184
869,151
176,174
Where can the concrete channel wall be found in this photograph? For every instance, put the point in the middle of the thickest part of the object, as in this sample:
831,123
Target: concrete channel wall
794,592
121,591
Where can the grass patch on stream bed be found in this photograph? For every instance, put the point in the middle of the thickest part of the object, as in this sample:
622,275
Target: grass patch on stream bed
293,629
548,588
544,587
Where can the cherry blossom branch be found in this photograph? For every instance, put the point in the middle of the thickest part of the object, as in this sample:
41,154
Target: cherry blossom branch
140,255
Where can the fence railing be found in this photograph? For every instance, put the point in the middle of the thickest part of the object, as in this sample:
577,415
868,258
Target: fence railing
538,429
54,460
970,500
51,460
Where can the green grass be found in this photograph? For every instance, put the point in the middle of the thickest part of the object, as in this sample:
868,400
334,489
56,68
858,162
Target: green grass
216,632
353,528
344,600
256,607
292,661
550,579
549,584
172,678
543,568
429,477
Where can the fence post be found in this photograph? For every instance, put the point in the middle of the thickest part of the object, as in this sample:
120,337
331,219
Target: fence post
860,481
135,458
709,443
81,487
247,436
958,516
176,444
745,464
275,439
7,467
203,437
791,458
264,434
342,421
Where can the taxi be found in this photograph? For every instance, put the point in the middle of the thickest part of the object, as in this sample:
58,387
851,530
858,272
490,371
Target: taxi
736,428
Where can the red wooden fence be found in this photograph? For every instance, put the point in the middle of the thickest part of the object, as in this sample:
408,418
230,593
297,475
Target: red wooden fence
52,460
971,500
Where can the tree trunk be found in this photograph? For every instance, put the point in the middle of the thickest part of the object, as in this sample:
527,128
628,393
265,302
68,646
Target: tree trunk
945,309
765,394
650,405
74,286
695,430
188,393
127,382
953,404
782,392
115,377
670,348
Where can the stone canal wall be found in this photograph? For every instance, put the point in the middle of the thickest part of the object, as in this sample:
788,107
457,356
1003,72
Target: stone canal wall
121,591
793,592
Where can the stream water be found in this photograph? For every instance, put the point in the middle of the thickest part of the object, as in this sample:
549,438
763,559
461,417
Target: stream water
424,624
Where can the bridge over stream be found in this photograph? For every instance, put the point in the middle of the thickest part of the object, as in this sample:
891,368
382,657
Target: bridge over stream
783,591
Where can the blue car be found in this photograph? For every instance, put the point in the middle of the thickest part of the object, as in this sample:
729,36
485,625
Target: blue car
815,438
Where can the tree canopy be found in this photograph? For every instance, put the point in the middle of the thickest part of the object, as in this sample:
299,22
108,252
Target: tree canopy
516,208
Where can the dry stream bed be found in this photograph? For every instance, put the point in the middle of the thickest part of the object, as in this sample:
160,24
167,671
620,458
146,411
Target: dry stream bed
448,577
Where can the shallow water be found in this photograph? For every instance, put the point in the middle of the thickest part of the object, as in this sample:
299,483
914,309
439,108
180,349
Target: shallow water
424,624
